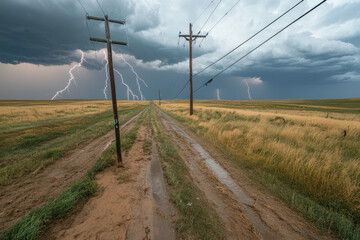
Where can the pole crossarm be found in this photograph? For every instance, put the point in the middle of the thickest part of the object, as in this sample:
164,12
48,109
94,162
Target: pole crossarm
105,41
103,19
194,36
109,42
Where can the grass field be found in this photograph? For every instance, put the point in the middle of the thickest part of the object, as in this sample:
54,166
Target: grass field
298,149
34,134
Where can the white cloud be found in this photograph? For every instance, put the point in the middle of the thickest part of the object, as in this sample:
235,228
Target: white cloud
338,3
347,77
339,31
253,80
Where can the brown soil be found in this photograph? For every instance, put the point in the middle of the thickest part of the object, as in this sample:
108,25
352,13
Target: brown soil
277,221
126,209
48,183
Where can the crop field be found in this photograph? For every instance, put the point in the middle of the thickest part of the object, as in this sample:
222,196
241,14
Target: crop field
305,151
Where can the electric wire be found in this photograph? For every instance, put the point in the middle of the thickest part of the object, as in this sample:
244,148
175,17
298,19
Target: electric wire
126,33
181,90
83,7
209,81
241,44
209,16
219,20
203,12
86,20
101,7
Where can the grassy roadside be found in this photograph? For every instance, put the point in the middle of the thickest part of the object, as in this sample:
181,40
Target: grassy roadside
39,147
199,220
323,186
31,225
128,140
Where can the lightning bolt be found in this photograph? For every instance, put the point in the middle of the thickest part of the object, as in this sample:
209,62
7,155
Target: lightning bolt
106,73
218,94
128,89
137,78
71,76
248,89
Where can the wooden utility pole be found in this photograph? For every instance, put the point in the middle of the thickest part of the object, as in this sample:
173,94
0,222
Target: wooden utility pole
159,98
108,41
191,38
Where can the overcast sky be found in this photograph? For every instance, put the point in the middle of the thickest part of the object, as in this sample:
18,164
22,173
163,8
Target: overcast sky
317,57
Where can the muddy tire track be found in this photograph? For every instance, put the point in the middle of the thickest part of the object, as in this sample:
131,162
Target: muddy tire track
48,183
241,205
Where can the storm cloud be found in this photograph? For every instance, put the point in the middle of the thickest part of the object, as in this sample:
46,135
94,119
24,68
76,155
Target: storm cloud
321,51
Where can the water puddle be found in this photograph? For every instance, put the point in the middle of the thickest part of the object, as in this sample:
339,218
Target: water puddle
244,201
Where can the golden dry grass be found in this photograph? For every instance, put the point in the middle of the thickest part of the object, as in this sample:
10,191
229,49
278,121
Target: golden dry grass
305,148
14,112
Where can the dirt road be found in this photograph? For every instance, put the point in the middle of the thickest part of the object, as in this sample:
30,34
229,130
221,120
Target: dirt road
48,183
134,204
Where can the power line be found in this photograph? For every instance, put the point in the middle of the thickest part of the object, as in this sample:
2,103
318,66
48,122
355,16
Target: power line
86,20
209,81
100,7
83,7
238,45
181,89
209,16
203,12
241,44
220,19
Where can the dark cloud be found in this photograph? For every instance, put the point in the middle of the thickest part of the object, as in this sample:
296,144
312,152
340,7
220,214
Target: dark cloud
40,32
48,32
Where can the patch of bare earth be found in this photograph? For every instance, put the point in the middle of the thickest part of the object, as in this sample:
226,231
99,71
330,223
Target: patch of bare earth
127,206
247,211
48,183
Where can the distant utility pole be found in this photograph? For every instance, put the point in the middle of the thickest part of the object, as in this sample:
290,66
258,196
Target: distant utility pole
191,38
159,97
108,41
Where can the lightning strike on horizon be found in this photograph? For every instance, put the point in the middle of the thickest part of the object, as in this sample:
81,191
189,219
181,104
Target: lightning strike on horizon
137,78
71,76
107,74
128,89
248,90
218,94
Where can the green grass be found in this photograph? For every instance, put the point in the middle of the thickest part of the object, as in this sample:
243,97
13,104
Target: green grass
325,218
199,220
31,225
128,140
18,159
122,178
147,147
